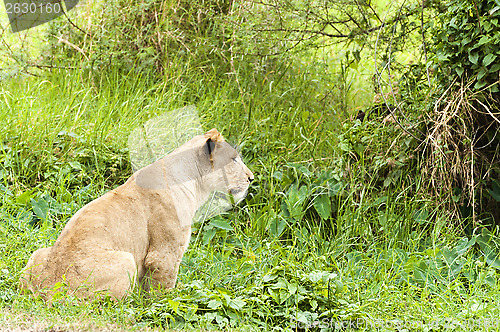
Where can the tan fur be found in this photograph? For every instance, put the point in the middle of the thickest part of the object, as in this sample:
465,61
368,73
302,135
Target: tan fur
138,232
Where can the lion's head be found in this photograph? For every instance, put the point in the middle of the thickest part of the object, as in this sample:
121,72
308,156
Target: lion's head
227,172
205,164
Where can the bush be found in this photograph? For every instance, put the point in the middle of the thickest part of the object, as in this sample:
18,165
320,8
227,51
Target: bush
144,35
467,42
462,144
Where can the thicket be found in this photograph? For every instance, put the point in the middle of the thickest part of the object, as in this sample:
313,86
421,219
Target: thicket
462,131
154,33
147,36
434,78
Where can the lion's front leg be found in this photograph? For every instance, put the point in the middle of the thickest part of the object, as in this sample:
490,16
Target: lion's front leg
161,268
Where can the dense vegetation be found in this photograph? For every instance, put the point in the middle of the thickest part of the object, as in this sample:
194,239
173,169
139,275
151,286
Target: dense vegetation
376,199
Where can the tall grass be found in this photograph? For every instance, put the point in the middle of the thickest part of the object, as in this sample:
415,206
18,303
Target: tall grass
275,262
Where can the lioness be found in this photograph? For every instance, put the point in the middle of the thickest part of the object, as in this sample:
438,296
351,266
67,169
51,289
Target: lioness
138,232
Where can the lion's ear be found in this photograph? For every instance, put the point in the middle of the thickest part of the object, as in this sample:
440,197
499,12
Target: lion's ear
213,136
210,148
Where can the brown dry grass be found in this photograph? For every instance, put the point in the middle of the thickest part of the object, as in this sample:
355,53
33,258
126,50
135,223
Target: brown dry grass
456,154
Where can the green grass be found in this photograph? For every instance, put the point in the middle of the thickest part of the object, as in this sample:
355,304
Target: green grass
380,254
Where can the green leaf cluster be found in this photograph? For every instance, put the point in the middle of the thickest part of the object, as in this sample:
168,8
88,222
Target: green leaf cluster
308,199
144,36
282,294
467,42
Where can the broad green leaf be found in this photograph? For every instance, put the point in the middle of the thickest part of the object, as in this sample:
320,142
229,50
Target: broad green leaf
480,84
339,286
382,219
488,244
334,187
225,296
40,207
442,57
237,304
214,304
420,276
457,267
495,68
296,195
314,304
222,224
278,175
283,295
449,255
432,252
491,258
324,177
484,40
277,226
24,197
292,287
496,186
495,191
463,245
481,73
421,216
208,236
474,57
295,199
284,209
174,305
275,294
379,201
280,284
222,321
301,317
76,165
344,146
301,169
387,181
322,204
489,59
490,281
269,277
303,193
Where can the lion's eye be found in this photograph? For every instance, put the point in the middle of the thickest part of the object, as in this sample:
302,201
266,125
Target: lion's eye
234,159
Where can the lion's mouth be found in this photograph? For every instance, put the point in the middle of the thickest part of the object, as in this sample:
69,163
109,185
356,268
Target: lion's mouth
238,195
235,191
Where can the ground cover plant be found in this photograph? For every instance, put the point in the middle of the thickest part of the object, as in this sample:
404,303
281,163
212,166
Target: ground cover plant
351,222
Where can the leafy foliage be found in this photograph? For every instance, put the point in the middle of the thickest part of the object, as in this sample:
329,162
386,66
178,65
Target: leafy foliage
146,36
467,42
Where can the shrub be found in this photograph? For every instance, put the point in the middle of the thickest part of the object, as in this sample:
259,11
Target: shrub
467,42
462,143
144,34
